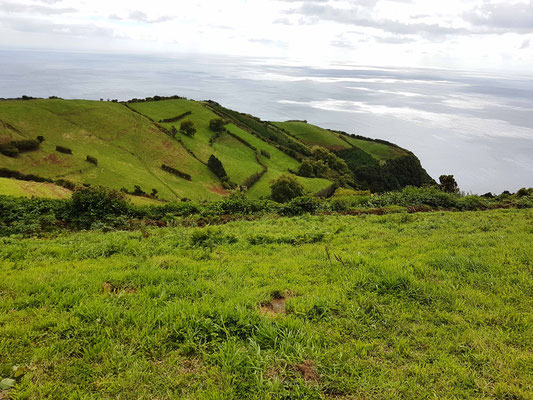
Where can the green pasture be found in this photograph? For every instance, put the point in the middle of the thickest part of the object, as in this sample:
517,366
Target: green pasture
429,305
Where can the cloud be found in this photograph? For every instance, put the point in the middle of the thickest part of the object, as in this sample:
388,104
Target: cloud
508,17
34,9
357,15
140,16
45,27
525,44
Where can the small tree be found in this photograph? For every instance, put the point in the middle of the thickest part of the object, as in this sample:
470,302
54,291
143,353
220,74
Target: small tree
216,166
188,128
216,125
306,169
286,188
173,131
448,184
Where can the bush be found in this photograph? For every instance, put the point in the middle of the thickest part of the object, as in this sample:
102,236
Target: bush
306,169
216,166
13,148
301,205
92,160
174,171
177,118
286,188
188,128
448,184
97,203
265,153
216,125
63,149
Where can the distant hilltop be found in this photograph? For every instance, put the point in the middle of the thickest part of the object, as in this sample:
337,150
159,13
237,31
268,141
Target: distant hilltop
175,148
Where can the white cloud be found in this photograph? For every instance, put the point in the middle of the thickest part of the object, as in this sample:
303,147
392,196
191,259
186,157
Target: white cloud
434,33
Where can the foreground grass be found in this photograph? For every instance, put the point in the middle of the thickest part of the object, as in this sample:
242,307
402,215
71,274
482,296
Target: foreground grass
395,306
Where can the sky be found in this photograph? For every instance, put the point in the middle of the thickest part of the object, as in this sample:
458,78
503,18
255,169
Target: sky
453,34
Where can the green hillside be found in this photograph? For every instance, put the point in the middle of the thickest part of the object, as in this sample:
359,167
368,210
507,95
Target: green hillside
124,146
313,135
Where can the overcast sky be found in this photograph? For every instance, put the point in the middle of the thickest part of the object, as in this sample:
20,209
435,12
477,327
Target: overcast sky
467,34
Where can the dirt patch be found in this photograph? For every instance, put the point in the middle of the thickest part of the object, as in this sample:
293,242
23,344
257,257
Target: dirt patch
52,159
308,371
109,288
218,190
277,304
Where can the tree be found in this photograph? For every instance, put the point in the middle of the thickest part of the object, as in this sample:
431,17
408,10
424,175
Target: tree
216,166
448,184
286,188
216,125
173,131
187,127
306,169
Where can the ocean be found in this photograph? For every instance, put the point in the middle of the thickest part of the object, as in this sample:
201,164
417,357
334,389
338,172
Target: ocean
477,126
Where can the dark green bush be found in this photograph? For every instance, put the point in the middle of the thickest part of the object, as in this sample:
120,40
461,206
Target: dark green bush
216,166
13,148
174,171
188,128
216,124
64,150
301,205
92,160
97,203
286,188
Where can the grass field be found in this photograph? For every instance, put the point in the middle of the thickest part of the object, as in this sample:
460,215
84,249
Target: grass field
313,135
128,147
13,187
278,163
428,305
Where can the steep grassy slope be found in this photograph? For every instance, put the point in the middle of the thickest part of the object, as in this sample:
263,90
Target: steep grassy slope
313,135
13,187
420,306
128,147
278,163
239,160
131,141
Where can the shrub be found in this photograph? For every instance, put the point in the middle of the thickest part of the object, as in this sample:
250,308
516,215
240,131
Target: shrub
216,125
188,128
301,205
286,188
306,169
173,131
265,153
448,184
249,181
63,149
8,149
216,166
13,148
177,118
92,160
97,203
174,171
40,139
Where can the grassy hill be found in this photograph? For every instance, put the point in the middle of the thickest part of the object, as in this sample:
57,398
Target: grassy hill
414,306
131,141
